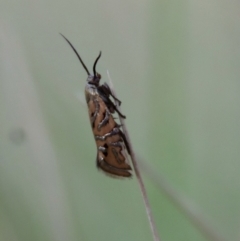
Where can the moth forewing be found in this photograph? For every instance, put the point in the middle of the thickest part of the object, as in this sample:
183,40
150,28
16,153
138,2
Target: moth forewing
111,150
112,157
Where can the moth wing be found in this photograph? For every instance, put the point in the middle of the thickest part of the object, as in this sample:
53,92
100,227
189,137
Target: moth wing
116,163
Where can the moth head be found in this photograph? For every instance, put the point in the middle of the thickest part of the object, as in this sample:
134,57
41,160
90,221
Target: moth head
92,79
95,78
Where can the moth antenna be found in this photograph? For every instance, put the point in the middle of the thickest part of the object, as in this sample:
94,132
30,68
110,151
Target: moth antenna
84,66
95,63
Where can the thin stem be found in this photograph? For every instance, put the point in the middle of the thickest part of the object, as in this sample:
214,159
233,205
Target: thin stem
136,169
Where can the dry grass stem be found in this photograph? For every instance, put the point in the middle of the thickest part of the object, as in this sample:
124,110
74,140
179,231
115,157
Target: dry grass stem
137,172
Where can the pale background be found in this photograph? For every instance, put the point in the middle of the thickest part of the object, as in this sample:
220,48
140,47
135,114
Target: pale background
175,66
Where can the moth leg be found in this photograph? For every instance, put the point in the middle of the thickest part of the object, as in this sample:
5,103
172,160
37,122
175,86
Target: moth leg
106,86
107,90
112,107
116,109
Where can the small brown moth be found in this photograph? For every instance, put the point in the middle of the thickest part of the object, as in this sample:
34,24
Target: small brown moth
110,140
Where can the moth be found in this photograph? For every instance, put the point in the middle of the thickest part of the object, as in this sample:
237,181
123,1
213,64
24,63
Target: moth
112,146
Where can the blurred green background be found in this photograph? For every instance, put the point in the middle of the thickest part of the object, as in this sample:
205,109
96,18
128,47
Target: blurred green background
175,66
